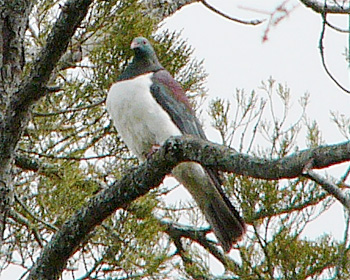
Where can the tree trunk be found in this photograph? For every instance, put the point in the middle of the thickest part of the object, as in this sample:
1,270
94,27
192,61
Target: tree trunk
14,17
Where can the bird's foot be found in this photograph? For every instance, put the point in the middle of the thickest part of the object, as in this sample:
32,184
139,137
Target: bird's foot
152,151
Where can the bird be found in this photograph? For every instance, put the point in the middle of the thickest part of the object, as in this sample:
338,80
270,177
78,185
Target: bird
148,106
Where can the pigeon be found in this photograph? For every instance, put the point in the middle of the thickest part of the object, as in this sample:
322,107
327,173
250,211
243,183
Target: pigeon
147,106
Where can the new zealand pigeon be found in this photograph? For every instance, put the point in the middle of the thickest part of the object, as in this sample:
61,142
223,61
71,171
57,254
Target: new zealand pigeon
148,106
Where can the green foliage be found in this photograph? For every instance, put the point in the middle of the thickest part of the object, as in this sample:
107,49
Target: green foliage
129,245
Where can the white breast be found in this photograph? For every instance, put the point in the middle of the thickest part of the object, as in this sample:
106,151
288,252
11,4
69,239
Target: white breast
138,118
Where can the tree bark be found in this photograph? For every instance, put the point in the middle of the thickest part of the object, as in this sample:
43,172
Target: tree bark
330,7
159,9
14,16
20,95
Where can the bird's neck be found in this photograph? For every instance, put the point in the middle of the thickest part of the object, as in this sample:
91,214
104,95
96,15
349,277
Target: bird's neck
149,62
141,65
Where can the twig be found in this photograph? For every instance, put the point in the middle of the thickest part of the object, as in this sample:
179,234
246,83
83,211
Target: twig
52,89
35,165
262,214
71,110
345,176
329,187
248,22
336,28
321,47
24,221
67,157
35,217
197,235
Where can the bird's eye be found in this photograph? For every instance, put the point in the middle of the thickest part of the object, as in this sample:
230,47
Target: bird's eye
144,42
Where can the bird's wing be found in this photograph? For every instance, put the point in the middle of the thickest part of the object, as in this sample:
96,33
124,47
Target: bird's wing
219,211
170,95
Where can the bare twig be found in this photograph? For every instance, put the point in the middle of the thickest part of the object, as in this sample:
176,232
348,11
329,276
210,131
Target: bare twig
71,110
329,187
35,217
197,235
321,47
345,176
336,28
248,22
24,221
275,16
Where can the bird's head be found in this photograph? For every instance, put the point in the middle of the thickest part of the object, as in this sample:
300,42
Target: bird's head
142,48
144,61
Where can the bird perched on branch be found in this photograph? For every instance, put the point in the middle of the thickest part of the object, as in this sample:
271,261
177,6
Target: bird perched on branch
147,107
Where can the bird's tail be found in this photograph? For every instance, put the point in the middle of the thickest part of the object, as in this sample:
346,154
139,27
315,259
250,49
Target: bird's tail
204,186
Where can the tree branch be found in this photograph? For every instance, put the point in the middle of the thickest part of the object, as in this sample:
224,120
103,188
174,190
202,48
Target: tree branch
66,241
215,10
329,187
151,173
34,216
323,59
32,164
229,160
296,207
176,232
162,9
34,86
70,110
159,9
322,7
342,259
72,13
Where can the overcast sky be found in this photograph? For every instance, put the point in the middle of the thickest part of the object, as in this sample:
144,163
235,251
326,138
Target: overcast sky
235,57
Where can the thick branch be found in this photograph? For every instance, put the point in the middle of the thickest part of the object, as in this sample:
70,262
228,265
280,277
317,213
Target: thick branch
33,87
66,241
323,7
151,173
14,17
226,159
160,9
35,165
70,18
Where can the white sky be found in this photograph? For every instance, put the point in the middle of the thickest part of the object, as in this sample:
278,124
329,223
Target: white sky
235,57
